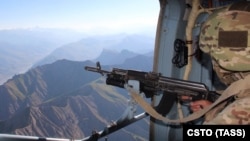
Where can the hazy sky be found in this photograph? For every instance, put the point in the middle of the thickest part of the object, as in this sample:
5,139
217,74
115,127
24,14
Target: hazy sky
83,15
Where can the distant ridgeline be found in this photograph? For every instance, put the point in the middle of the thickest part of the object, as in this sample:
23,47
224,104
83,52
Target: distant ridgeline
63,100
22,49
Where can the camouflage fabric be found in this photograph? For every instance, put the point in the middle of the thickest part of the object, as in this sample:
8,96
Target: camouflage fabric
228,77
226,37
236,113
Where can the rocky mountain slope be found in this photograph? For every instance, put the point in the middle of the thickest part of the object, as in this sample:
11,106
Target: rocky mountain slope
65,101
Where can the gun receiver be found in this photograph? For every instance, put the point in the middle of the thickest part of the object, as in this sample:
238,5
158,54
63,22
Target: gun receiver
151,83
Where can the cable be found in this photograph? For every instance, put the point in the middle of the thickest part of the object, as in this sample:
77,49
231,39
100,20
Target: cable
181,53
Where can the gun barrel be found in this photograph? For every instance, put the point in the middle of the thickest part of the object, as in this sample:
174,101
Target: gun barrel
95,69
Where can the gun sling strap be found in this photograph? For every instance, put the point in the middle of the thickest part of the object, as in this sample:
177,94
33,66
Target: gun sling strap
237,88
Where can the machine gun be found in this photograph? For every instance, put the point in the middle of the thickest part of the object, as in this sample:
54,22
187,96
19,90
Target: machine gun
152,83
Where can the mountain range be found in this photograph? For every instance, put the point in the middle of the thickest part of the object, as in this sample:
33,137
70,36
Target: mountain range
119,46
22,49
61,99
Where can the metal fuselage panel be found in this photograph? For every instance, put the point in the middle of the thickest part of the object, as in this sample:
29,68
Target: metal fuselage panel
171,26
